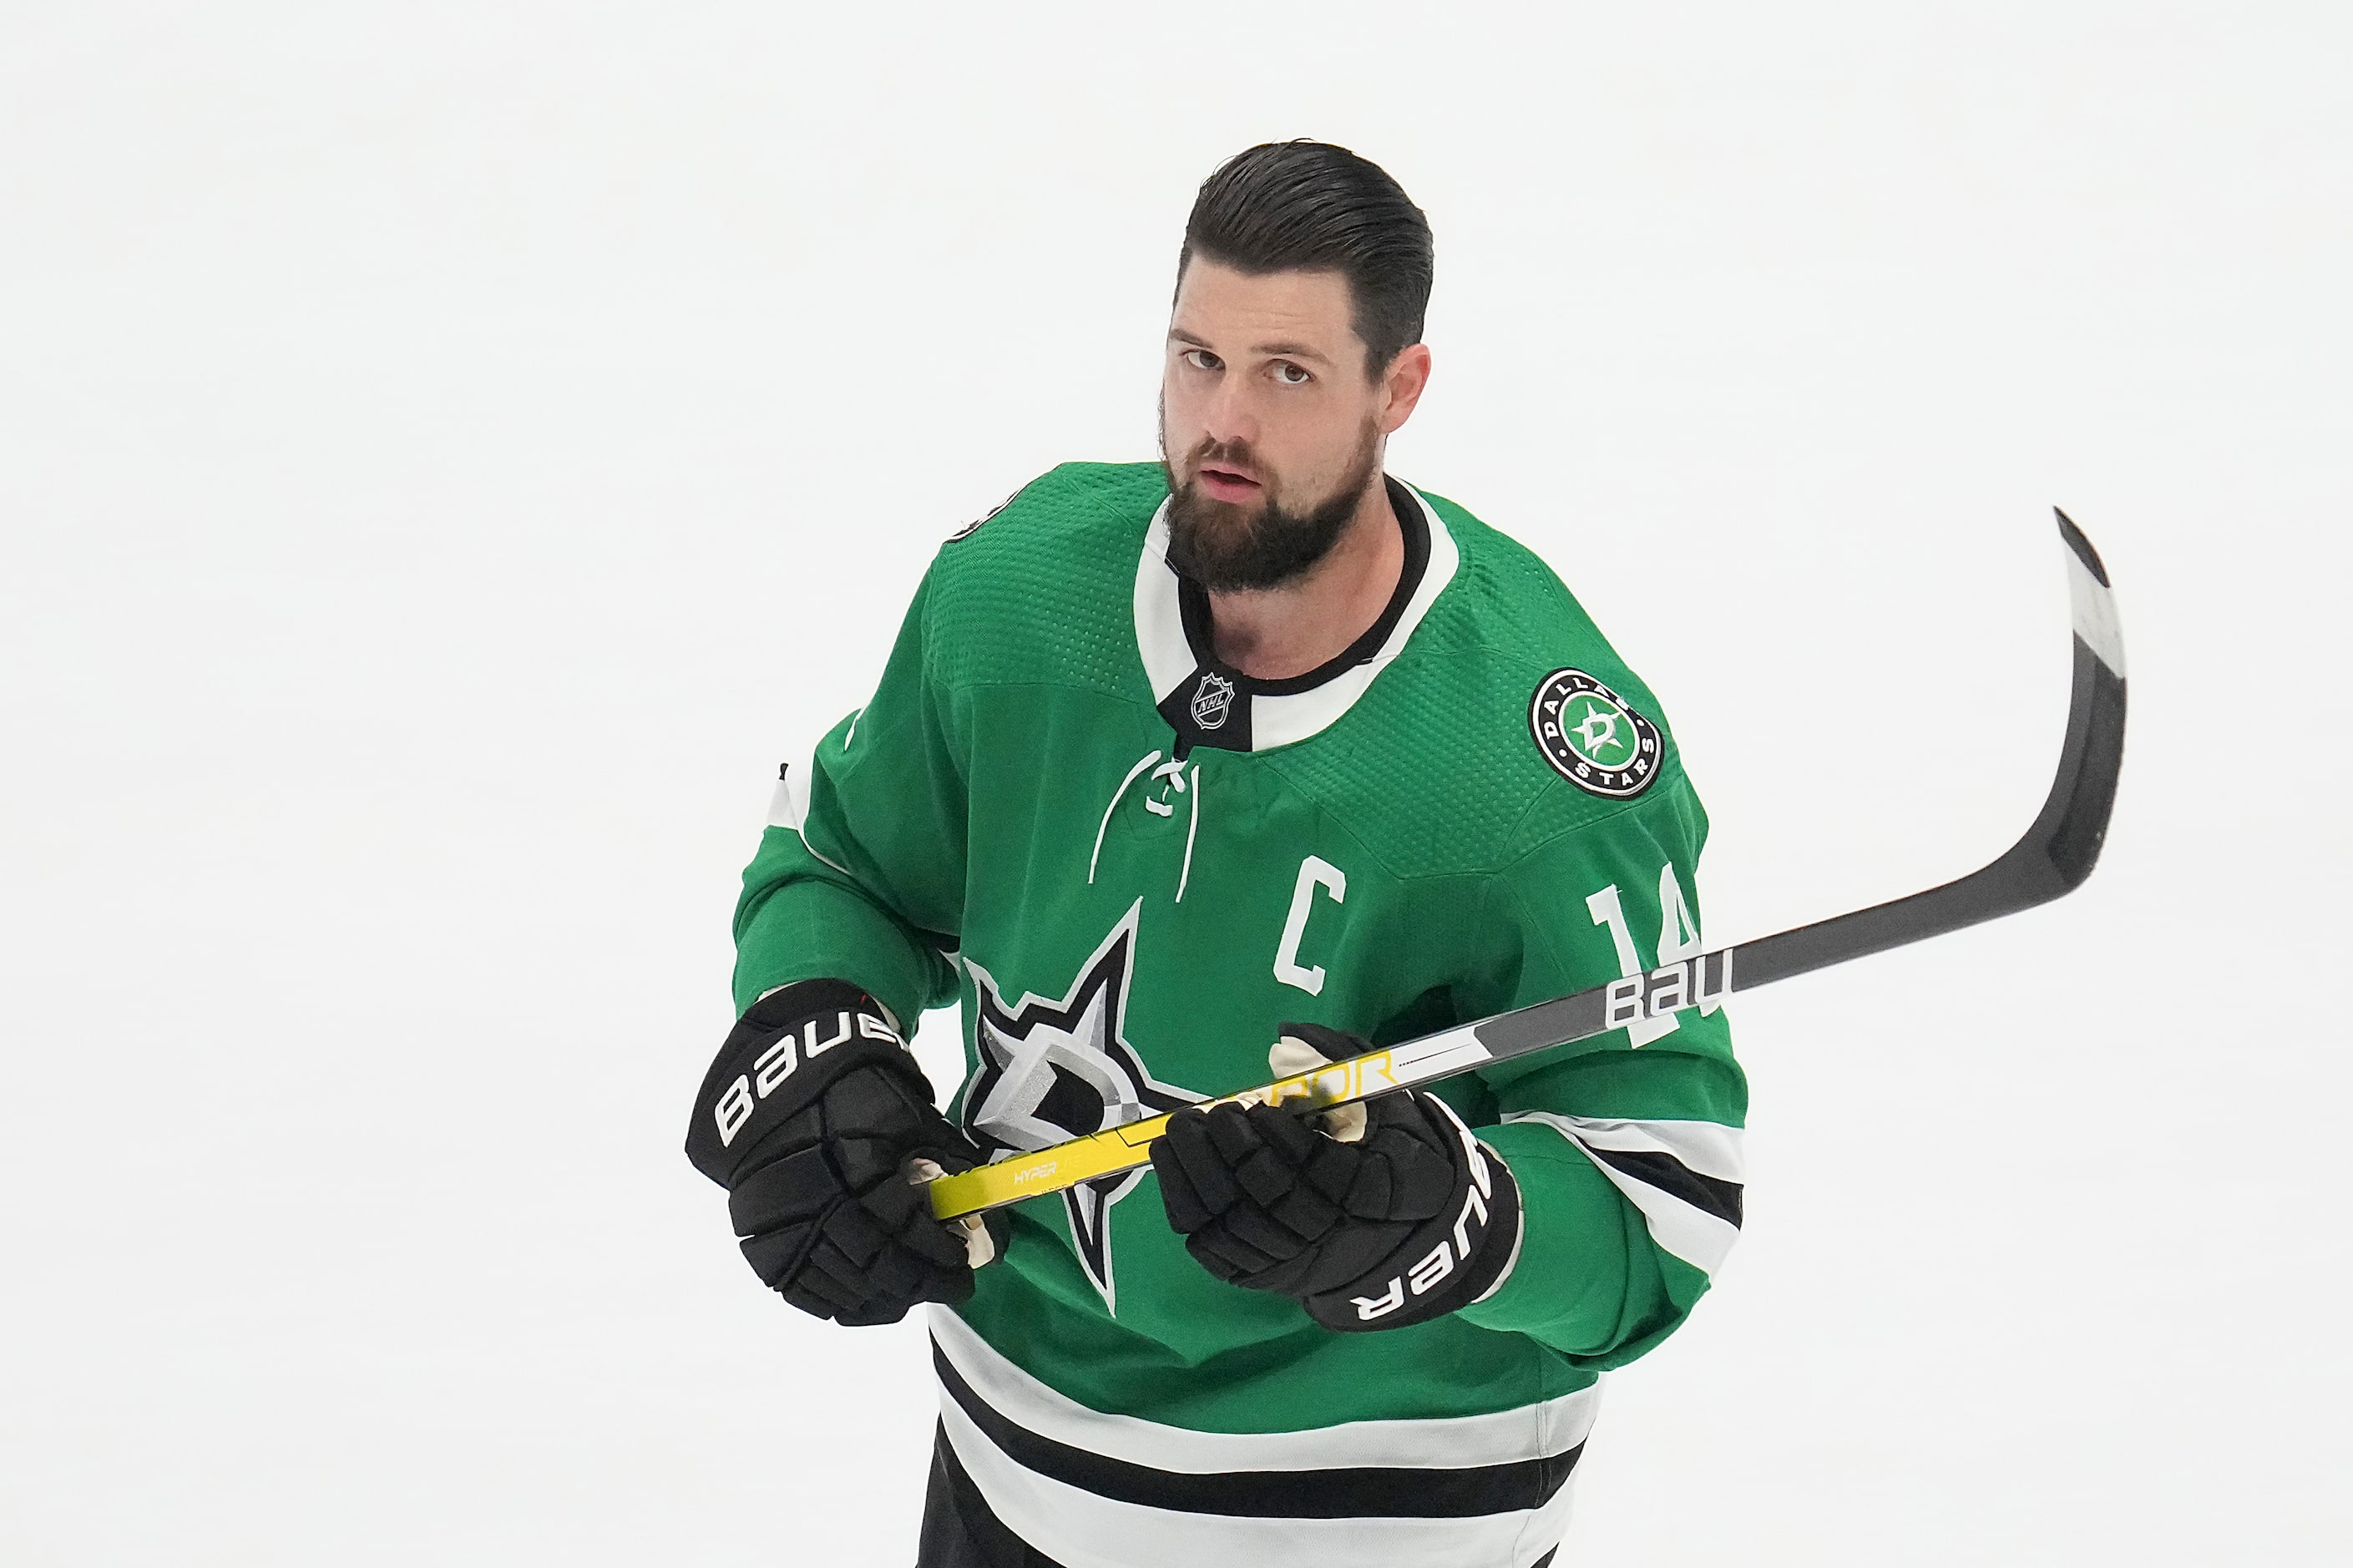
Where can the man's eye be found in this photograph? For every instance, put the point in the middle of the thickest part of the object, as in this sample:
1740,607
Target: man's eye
1202,359
1291,375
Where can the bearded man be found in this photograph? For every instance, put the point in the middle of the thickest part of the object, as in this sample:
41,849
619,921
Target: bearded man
1183,772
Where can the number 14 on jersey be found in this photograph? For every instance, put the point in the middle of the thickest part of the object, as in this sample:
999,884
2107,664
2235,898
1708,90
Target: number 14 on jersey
1678,940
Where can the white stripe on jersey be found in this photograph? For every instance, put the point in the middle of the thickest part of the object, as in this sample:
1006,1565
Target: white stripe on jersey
1085,1528
788,803
1707,1148
1455,1442
1080,1530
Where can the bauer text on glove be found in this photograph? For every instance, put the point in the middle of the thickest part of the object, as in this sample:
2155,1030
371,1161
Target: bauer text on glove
810,1118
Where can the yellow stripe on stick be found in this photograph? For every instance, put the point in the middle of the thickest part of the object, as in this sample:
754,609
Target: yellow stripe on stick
1124,1147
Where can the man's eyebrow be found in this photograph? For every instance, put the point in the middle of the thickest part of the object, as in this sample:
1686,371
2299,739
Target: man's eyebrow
1279,351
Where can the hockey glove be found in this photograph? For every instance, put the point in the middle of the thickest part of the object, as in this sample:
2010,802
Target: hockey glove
817,1123
1412,1219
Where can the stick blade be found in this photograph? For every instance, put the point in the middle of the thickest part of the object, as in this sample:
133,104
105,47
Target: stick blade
2056,854
2074,824
2078,542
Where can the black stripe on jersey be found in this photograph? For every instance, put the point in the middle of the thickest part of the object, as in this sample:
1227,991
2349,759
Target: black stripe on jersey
1709,1195
959,1521
1363,1493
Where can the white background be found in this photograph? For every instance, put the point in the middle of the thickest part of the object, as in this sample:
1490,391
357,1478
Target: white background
449,453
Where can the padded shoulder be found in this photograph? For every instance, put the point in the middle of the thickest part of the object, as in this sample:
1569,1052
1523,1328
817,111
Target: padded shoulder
1043,590
1436,770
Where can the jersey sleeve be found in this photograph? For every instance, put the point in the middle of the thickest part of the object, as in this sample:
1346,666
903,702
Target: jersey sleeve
1626,1146
860,875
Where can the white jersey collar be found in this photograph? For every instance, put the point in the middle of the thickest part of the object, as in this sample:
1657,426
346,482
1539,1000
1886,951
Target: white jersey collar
1269,719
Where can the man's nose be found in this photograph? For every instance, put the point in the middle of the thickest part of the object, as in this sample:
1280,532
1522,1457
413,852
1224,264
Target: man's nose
1228,416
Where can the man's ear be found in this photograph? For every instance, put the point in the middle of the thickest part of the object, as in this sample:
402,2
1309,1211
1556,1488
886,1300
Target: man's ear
1402,385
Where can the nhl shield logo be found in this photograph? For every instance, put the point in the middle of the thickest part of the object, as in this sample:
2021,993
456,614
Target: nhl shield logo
1212,700
1593,737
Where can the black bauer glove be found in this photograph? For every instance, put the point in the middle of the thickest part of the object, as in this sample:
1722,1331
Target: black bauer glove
1413,1220
808,1118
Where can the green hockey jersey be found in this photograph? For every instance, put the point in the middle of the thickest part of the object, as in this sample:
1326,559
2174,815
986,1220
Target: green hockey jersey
1131,864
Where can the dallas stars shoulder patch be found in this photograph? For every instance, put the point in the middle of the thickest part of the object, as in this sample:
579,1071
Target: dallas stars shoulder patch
1593,737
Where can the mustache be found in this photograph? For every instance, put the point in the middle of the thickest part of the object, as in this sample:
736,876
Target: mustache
1237,454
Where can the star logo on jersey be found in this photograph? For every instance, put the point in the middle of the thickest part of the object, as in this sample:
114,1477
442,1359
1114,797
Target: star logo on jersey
1212,700
1055,1071
1593,737
1598,728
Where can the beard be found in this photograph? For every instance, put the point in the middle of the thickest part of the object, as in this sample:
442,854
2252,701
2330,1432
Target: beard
1228,546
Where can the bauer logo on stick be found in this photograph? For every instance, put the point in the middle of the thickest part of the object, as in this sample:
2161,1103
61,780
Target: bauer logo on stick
1592,737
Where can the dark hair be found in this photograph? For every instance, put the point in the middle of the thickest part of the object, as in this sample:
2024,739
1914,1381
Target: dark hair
1285,207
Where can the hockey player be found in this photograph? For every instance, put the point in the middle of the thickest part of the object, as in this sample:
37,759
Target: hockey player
1179,776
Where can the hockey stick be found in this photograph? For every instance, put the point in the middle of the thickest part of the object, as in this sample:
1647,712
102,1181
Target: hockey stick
2053,857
